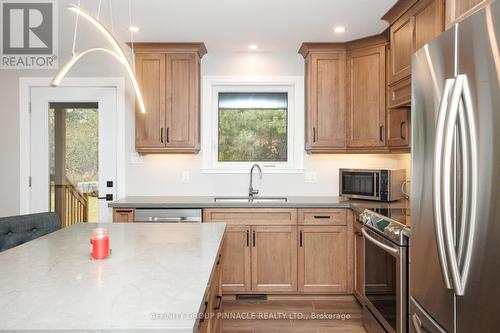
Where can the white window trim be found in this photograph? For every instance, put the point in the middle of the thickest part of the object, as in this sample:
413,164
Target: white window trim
212,85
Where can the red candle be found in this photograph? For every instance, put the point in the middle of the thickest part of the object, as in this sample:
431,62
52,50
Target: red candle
99,243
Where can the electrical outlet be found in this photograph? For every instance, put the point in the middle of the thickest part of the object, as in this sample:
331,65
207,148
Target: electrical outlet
185,177
311,177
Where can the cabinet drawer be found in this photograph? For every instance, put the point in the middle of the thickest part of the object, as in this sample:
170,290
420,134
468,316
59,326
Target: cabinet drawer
400,93
319,216
123,215
251,216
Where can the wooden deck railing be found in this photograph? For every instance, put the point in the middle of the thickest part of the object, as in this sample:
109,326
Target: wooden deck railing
71,205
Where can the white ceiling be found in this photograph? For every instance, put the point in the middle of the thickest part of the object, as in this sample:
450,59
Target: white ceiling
231,25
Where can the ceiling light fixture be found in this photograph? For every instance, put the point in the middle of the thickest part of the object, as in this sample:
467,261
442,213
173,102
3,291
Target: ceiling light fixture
133,28
117,53
340,29
253,47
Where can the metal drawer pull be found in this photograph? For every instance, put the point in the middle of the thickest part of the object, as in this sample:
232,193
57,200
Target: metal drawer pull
248,238
322,216
417,324
253,232
219,303
378,243
300,238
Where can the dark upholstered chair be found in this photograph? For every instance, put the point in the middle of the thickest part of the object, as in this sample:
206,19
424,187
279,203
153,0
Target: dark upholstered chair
16,230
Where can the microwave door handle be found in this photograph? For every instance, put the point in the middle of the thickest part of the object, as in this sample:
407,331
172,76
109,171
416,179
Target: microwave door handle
386,248
436,179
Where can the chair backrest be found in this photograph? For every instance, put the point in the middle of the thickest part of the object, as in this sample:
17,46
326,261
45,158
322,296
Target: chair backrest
16,230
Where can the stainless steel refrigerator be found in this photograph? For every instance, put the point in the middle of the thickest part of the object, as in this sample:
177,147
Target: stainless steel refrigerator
455,203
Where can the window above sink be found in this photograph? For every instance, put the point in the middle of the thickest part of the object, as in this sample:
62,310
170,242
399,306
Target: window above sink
248,120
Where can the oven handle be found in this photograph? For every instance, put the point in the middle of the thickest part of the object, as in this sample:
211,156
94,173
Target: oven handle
378,243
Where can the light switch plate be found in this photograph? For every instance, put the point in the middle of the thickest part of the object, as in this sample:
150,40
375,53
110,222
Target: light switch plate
311,177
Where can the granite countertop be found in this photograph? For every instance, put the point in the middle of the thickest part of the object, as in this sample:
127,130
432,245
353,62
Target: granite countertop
208,202
155,279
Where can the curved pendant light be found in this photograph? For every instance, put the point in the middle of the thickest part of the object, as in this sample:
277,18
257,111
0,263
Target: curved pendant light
118,54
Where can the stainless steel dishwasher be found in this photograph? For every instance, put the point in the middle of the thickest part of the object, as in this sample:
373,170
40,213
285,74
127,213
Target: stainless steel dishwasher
147,215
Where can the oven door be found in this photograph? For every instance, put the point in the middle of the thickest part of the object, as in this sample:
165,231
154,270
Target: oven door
386,281
360,184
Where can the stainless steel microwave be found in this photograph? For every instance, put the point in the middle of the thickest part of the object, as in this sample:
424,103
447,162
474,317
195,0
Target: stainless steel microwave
379,184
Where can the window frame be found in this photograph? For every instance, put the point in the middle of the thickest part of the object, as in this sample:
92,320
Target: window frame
212,86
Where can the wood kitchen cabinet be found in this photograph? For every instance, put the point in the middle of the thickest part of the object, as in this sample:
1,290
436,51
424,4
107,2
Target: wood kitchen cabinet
123,215
212,308
322,259
169,77
325,97
399,128
411,28
359,262
236,263
457,10
274,258
366,121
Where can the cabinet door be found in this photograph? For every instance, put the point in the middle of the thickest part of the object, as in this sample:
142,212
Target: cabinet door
150,126
401,35
359,267
428,17
399,127
457,10
236,259
274,258
182,105
322,259
326,101
366,97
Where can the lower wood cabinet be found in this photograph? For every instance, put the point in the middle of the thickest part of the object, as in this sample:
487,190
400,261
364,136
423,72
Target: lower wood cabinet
211,322
359,265
274,258
322,259
236,254
123,215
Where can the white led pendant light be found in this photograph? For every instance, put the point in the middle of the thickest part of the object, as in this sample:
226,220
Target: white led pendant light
117,53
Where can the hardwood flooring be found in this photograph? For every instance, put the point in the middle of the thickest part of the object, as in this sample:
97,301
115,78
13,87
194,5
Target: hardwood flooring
341,315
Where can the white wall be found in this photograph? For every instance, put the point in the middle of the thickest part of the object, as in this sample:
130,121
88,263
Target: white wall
161,174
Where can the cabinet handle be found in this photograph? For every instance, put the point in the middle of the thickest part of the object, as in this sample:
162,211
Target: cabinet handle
248,238
161,135
381,133
314,134
168,136
218,259
300,238
321,216
253,238
203,313
403,123
359,234
219,302
123,210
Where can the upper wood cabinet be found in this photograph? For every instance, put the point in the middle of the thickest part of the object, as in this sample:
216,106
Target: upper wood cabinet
169,77
366,109
399,128
457,10
413,24
325,97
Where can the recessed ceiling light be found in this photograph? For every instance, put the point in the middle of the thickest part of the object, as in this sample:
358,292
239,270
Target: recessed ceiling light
253,47
133,28
339,29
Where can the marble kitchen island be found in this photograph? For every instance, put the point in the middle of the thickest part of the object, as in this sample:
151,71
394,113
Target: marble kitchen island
156,279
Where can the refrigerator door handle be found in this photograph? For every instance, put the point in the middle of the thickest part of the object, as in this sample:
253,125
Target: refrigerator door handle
437,175
460,108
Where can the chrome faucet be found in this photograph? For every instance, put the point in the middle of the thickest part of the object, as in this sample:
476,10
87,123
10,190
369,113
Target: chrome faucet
251,191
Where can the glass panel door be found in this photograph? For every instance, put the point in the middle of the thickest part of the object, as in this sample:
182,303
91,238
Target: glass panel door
74,161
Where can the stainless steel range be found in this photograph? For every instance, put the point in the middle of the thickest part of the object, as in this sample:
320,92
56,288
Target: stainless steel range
386,262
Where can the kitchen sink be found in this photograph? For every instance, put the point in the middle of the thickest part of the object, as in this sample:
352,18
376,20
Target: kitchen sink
250,200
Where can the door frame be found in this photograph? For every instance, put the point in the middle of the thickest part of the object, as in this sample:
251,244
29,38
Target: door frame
25,85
